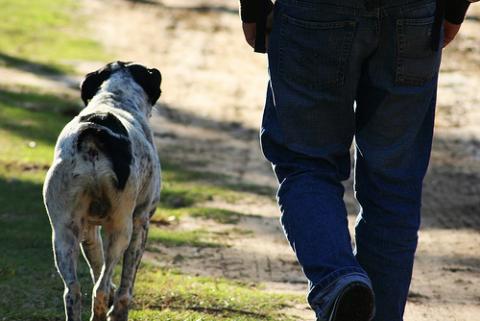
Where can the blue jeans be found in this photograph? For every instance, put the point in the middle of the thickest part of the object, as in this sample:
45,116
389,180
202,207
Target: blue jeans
339,70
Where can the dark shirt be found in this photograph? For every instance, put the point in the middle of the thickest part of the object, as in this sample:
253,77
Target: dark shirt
256,11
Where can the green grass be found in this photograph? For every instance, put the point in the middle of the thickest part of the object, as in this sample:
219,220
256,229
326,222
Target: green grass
179,195
218,215
30,286
29,125
222,216
173,172
44,35
184,188
165,295
196,238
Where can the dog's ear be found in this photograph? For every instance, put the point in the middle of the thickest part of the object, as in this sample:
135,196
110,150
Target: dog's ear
149,79
92,82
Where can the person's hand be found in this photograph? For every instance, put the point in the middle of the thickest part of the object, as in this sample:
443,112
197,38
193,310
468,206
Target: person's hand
450,31
250,31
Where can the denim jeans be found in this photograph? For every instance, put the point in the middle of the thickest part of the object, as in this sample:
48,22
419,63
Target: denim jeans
344,71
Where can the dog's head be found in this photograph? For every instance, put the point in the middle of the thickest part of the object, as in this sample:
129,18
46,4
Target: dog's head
148,79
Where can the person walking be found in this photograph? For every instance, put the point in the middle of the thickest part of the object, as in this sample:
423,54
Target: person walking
343,71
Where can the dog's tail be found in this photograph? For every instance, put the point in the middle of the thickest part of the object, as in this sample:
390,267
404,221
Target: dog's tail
104,134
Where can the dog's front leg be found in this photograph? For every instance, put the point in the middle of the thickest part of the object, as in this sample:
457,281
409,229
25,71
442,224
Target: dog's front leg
65,244
131,261
117,239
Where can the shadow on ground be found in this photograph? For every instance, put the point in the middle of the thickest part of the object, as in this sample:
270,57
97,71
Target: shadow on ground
451,185
196,8
28,65
35,116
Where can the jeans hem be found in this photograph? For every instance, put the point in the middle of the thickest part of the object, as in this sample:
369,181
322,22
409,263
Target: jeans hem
324,293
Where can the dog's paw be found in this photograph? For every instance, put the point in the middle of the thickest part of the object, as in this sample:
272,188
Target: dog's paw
119,311
118,316
99,307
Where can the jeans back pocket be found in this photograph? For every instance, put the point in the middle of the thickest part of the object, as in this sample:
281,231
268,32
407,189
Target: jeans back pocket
417,61
315,54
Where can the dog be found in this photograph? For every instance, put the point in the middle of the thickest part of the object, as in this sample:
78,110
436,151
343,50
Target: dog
105,175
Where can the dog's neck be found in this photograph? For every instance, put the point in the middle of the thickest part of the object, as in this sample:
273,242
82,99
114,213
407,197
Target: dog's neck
121,91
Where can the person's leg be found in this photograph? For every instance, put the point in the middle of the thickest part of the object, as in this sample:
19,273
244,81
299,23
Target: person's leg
315,55
394,118
314,219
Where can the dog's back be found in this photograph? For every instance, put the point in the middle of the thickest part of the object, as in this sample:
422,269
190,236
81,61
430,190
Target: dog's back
94,165
103,161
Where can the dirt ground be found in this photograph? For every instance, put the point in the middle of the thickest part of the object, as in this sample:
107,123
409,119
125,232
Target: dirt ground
213,92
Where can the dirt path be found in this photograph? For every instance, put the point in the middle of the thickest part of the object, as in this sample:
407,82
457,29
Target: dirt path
211,108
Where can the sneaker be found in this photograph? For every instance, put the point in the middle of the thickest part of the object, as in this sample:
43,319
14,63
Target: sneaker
355,303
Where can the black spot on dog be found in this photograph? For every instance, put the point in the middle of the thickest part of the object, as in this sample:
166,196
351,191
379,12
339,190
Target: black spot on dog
111,137
92,82
149,79
108,120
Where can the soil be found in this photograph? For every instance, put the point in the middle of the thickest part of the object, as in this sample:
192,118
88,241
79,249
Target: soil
208,119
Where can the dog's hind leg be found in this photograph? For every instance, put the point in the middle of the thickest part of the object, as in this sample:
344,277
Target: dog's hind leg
65,244
131,261
117,239
65,234
92,249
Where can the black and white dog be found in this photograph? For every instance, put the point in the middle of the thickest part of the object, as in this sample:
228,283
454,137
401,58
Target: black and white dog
105,173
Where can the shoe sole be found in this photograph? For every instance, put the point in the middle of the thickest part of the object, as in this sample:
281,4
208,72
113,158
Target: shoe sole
355,303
